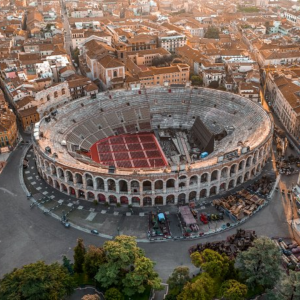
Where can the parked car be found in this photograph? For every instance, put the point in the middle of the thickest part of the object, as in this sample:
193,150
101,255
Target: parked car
94,231
203,219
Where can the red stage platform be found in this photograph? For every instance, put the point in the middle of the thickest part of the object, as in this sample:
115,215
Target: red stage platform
140,150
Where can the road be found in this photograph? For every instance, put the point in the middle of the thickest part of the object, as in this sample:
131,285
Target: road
67,31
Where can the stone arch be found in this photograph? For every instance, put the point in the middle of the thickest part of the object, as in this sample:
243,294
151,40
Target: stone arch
53,169
246,176
78,177
159,200
204,177
91,195
60,173
100,184
222,187
72,191
252,173
158,185
136,201
69,176
56,184
182,181
101,198
241,165
233,170
47,166
89,180
203,193
213,191
63,91
194,180
258,169
181,198
239,180
249,161
170,199
111,185
55,94
192,195
50,180
123,186
170,183
147,201
214,175
261,152
64,188
124,200
135,186
81,194
112,199
255,158
231,184
147,185
224,172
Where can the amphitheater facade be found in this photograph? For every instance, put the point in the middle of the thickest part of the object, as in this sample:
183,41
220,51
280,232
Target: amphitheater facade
61,144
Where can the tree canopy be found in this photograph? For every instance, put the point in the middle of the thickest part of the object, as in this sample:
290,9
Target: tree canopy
179,277
212,33
113,294
126,266
260,264
37,281
233,290
93,259
79,253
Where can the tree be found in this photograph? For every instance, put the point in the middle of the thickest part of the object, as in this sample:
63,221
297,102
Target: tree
212,33
260,264
37,281
215,264
93,259
214,84
113,294
201,289
287,288
67,264
79,253
233,290
196,80
126,266
91,297
179,278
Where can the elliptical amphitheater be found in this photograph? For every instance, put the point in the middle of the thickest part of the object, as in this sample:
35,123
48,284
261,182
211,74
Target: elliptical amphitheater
241,130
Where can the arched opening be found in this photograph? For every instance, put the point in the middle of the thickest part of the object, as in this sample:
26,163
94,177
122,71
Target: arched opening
159,200
89,180
147,201
248,162
50,181
53,170
63,91
124,200
123,187
135,201
181,198
159,185
91,196
203,193
232,170
214,175
78,178
101,198
239,180
170,199
170,183
222,187
224,172
111,185
60,173
147,186
231,184
258,169
81,194
69,176
246,177
253,173
64,188
194,180
135,187
213,191
204,178
255,157
72,191
192,196
56,185
55,94
112,199
241,165
261,152
99,184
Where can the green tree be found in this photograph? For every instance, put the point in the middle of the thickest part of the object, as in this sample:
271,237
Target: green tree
201,289
213,84
287,288
196,80
127,266
68,265
179,277
215,264
37,281
233,290
260,264
79,253
113,294
212,33
93,259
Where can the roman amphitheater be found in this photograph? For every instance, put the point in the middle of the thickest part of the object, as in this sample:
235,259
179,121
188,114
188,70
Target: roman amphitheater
155,146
